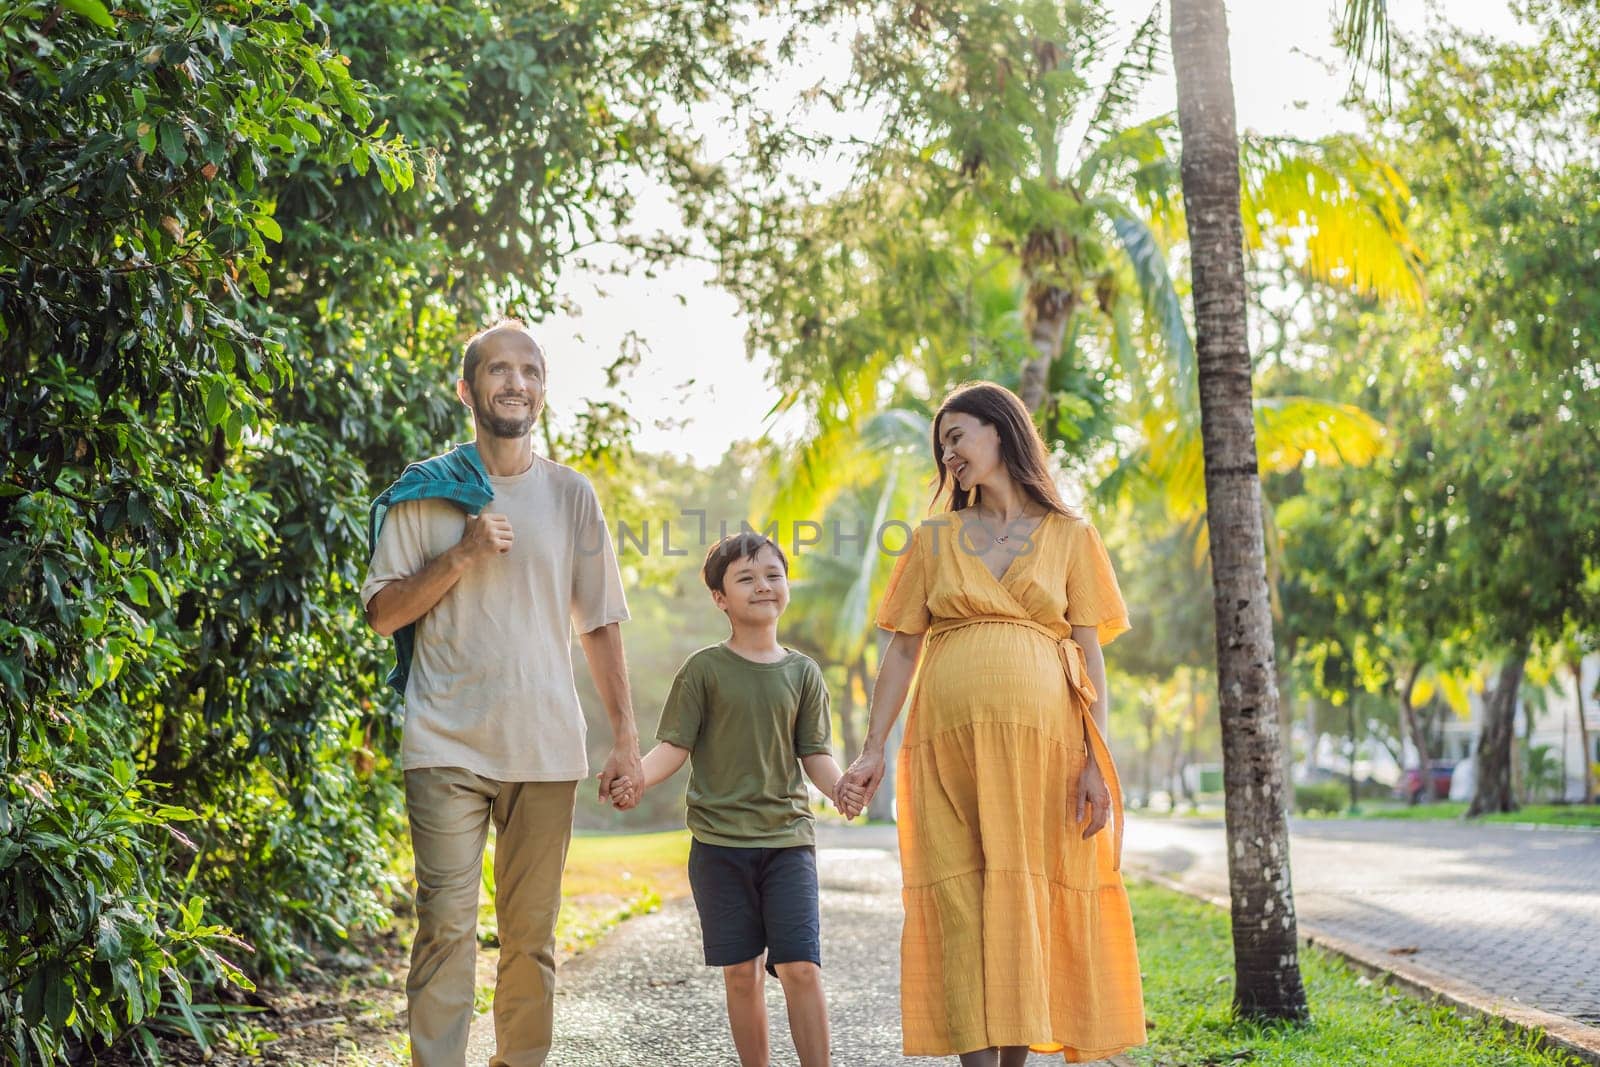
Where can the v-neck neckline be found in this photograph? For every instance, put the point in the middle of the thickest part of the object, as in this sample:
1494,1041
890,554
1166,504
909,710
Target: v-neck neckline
1000,579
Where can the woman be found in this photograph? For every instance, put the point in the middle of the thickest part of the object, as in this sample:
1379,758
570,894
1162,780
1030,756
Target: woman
1017,928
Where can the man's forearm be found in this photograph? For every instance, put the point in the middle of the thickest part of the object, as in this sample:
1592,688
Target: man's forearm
607,665
399,604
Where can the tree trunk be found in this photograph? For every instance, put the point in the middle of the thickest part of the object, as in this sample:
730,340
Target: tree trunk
1049,309
1494,791
1175,770
1408,717
1191,748
1265,936
1583,734
1350,723
1148,720
855,674
1521,787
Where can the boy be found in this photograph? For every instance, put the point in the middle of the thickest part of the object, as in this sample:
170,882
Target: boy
748,714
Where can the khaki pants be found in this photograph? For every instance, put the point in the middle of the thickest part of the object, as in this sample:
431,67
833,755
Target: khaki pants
450,809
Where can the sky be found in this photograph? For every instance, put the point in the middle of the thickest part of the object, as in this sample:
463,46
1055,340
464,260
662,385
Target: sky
1288,80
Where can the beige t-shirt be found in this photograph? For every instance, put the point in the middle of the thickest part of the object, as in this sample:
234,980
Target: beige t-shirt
491,687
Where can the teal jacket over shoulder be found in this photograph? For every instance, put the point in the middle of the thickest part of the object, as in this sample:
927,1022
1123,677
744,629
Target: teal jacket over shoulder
457,476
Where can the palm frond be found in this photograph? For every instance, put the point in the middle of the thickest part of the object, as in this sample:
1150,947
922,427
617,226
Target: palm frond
897,428
1140,62
1339,206
1162,304
1364,35
850,624
1289,428
803,480
1144,156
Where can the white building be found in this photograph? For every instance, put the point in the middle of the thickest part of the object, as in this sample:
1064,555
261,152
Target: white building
1555,726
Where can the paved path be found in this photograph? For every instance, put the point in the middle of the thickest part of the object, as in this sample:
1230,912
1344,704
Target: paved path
642,998
1515,912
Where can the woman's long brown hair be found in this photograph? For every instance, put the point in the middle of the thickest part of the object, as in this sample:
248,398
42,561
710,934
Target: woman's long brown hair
1021,448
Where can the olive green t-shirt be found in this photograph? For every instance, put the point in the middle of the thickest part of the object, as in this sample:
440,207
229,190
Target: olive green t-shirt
746,726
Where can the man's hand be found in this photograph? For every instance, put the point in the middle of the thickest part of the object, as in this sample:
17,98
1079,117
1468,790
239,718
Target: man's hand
623,763
403,602
487,534
1093,799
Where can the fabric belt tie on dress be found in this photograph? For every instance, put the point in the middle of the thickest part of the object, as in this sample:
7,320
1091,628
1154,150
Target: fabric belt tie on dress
1076,668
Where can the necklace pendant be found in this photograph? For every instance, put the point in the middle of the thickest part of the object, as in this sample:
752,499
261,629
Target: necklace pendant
1002,539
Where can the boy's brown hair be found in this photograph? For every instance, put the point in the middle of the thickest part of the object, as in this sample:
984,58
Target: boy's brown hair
742,545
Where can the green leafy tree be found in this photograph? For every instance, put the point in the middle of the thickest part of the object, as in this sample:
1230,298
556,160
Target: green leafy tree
134,243
227,312
1499,496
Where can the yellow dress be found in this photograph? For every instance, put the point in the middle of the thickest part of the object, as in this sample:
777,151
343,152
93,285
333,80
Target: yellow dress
1017,931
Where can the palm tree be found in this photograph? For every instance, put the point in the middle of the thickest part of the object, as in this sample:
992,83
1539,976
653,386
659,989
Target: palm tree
1267,981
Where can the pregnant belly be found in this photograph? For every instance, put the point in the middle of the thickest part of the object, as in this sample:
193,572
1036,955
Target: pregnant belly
990,673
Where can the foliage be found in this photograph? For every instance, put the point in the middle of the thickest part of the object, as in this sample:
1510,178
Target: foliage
135,241
1531,814
230,296
1321,798
1478,533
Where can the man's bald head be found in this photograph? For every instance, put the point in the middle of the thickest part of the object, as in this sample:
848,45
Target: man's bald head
473,354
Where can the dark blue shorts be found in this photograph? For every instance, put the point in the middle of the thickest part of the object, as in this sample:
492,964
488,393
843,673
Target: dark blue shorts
756,899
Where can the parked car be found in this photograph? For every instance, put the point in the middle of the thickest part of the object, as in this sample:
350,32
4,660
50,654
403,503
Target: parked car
1412,789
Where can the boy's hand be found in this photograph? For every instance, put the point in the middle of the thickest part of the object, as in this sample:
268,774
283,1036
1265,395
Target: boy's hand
624,793
849,798
623,763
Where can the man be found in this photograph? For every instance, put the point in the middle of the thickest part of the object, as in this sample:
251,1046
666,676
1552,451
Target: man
481,606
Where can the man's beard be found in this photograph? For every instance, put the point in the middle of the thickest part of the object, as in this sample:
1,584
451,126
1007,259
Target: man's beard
502,426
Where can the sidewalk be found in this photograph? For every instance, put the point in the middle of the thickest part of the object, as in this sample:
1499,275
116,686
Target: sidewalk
642,997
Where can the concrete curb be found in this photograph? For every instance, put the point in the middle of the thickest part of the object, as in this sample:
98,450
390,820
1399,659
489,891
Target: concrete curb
1552,1031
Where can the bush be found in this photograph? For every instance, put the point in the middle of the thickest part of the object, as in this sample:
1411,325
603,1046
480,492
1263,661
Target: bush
1321,798
225,314
149,610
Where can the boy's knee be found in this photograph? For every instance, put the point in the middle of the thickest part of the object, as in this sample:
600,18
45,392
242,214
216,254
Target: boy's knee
800,972
743,976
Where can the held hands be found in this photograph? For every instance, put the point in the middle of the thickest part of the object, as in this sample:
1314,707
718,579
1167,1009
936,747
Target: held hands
849,798
1093,799
487,534
622,779
625,793
854,791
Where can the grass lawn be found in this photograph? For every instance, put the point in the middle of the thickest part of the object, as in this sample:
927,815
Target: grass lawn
1187,959
1544,814
611,877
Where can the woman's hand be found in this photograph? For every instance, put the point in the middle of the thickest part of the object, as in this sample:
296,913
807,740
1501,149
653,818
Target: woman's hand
860,782
1093,799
